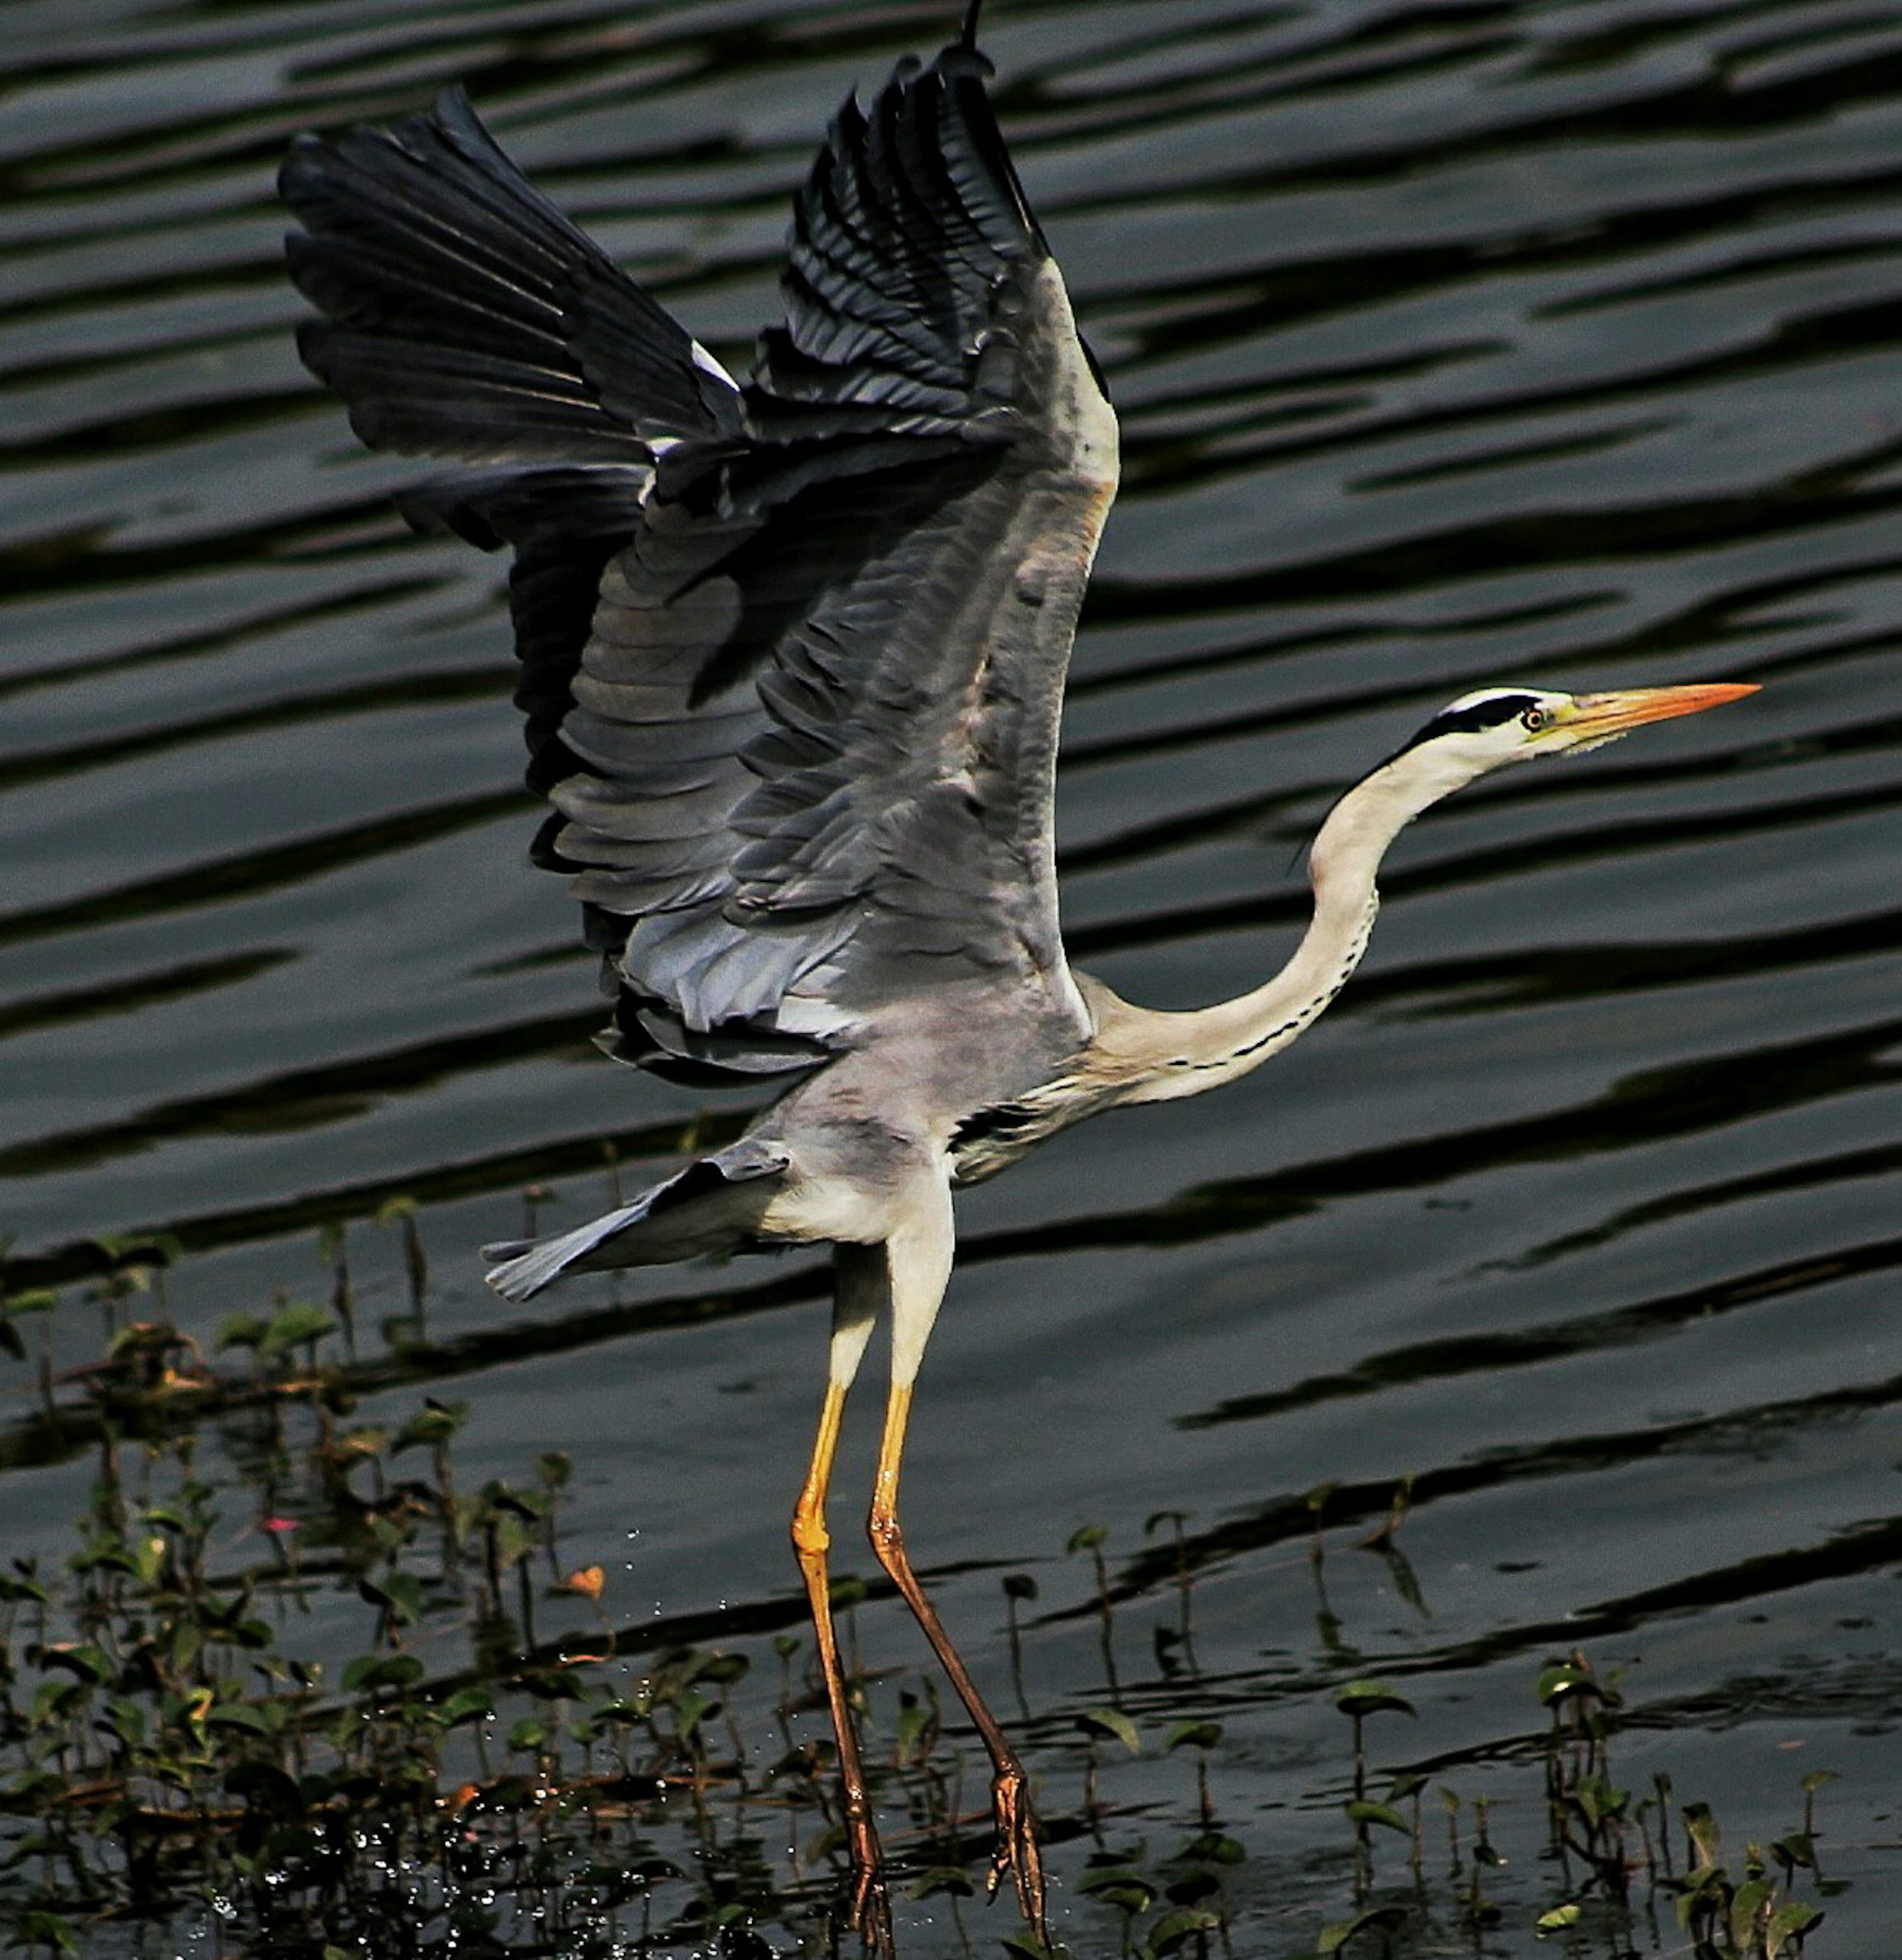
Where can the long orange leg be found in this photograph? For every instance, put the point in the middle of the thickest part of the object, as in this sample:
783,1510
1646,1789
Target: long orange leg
861,1287
1016,1823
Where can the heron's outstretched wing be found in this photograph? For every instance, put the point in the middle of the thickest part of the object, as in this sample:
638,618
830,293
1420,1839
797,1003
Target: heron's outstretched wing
801,741
466,317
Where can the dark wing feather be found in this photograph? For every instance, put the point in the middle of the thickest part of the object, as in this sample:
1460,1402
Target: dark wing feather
466,317
801,759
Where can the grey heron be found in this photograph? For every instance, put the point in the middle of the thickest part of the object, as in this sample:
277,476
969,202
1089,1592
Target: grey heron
793,659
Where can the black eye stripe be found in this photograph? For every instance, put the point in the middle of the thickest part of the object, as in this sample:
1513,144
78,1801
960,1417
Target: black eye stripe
1488,714
1483,714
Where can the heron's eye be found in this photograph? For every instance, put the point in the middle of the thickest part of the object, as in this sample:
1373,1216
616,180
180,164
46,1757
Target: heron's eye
1534,719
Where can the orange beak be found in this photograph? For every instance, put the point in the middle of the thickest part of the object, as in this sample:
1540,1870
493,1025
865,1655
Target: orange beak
1598,717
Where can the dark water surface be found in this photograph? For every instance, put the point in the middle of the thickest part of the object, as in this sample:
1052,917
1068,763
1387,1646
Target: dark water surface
1453,344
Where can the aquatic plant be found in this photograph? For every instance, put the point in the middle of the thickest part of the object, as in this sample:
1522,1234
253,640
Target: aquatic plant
319,1696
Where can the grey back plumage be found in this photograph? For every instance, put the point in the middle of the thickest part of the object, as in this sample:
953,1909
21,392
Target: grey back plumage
792,653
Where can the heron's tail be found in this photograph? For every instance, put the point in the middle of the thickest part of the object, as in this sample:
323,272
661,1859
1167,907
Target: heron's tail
715,1205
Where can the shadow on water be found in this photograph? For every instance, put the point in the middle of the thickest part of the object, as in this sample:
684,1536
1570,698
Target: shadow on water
1521,1340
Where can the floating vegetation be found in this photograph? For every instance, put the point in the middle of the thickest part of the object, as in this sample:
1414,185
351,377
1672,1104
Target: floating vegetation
323,1698
1613,1857
378,1714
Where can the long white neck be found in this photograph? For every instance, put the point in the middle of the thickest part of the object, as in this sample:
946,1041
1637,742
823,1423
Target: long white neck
1171,1055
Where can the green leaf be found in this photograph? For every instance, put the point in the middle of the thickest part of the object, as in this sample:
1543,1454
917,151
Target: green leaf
466,1704
294,1324
1212,1847
1560,1917
914,1718
399,1594
1383,1919
371,1674
1748,1904
1598,1801
1361,1812
106,1554
1704,1835
1817,1779
515,1538
1797,1848
626,1710
1193,1735
1087,1537
1120,1885
239,1331
187,1642
144,1340
1174,1930
242,1715
126,1719
432,1425
89,1663
1789,1921
47,1929
1562,1678
1112,1723
1705,1890
1363,1698
1193,1886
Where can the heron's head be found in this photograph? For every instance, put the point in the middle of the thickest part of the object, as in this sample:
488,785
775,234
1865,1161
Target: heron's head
1486,730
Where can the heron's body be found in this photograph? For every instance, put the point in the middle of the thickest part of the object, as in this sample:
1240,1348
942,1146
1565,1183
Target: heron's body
793,659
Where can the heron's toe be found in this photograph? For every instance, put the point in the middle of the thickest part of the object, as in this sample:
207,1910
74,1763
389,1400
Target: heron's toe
1017,1852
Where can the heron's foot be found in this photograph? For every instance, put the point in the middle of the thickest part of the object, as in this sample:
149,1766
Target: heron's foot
871,1909
1017,1851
